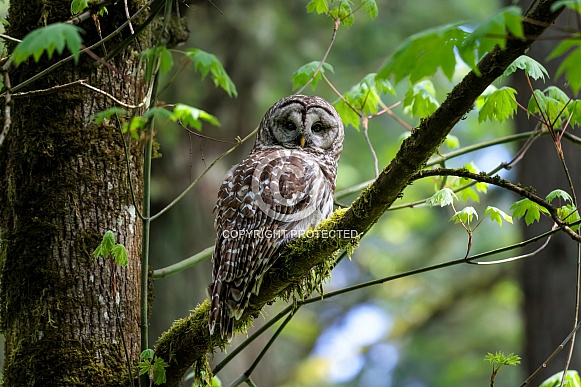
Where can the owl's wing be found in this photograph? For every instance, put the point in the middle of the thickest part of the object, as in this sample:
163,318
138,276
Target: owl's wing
259,206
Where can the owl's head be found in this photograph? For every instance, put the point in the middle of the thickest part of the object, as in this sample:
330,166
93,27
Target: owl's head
302,122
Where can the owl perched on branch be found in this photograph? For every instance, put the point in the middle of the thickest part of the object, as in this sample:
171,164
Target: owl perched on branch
283,187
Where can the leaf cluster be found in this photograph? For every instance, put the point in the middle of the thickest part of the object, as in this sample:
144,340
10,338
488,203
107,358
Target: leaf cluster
153,366
108,248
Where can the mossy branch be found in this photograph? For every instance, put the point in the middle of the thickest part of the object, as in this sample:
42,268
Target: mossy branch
188,340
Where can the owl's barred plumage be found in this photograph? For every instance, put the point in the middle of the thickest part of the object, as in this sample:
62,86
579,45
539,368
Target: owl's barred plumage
283,187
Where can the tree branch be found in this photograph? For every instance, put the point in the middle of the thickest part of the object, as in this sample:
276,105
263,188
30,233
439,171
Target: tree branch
188,340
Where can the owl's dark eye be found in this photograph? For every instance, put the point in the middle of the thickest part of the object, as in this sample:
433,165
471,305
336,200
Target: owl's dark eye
318,127
289,125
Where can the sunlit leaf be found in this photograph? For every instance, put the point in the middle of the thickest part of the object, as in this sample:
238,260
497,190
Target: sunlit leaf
420,99
571,380
343,12
528,209
530,66
452,141
465,215
497,215
422,54
318,6
499,105
569,214
370,8
192,116
443,197
491,33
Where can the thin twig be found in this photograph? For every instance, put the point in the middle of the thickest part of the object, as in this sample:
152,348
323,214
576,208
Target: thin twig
128,18
551,356
335,28
80,82
177,199
10,38
365,124
252,367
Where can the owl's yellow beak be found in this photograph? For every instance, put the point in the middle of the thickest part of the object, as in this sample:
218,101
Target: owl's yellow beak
303,141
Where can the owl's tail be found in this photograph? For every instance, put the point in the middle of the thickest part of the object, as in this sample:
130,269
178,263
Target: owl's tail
219,313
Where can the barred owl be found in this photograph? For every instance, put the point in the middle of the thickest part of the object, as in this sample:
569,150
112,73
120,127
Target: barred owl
283,187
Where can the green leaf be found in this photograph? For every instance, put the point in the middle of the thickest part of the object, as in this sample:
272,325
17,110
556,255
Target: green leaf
54,37
530,66
443,197
528,209
551,102
497,215
452,141
570,65
469,194
499,105
370,8
144,367
165,60
119,252
363,97
306,72
98,118
192,116
499,359
343,12
569,214
318,6
465,215
571,380
77,6
159,366
205,63
422,54
559,193
420,99
106,246
491,33
146,355
574,110
574,5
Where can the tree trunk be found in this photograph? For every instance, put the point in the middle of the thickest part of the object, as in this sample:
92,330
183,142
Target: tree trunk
69,319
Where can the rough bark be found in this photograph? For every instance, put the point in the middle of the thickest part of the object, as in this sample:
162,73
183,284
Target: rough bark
69,319
188,340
